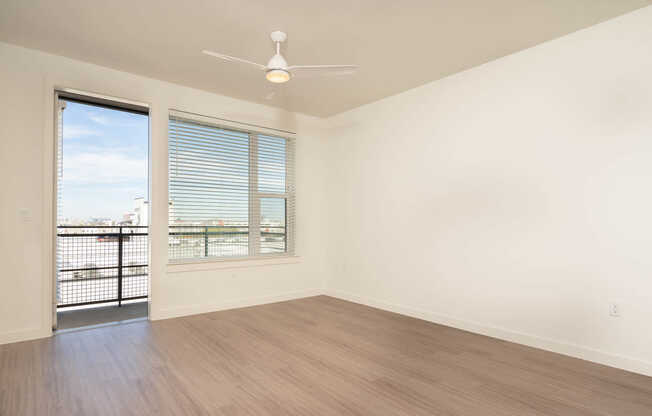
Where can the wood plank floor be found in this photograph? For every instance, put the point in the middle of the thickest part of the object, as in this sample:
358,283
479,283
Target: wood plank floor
314,356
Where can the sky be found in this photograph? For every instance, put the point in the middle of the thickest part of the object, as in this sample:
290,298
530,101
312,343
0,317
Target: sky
104,161
105,155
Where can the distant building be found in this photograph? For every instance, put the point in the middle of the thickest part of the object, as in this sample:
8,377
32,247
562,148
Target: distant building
99,221
141,212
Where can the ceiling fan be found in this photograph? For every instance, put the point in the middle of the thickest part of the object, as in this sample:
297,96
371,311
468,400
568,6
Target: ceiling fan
277,69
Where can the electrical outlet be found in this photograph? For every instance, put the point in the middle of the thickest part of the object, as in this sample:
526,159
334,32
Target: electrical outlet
614,310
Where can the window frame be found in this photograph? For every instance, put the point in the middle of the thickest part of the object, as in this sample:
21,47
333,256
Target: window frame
254,218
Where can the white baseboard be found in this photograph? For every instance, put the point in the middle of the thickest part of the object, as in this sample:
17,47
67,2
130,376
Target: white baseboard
30,334
232,304
585,353
24,335
577,351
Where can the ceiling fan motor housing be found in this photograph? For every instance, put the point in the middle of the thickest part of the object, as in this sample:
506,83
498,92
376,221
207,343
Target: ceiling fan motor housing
277,62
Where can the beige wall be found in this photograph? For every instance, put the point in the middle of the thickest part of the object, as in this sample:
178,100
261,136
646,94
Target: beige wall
512,199
27,81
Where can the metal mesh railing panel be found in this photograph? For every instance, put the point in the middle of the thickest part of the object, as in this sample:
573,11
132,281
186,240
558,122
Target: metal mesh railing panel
101,264
187,242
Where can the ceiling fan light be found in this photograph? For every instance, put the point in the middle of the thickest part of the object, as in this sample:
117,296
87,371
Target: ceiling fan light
277,76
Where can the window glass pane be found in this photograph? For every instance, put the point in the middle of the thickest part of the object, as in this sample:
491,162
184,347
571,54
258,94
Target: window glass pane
272,225
208,191
271,164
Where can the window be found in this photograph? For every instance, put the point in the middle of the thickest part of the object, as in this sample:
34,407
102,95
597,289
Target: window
231,191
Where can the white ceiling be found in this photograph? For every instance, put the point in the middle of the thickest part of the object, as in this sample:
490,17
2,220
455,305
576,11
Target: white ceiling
397,44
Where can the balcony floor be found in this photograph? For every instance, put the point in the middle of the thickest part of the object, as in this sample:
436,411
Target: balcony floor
76,318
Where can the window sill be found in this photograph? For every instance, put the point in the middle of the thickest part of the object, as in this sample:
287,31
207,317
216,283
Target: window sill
194,265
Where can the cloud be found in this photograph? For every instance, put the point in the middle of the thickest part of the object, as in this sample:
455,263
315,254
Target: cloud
105,168
99,119
74,131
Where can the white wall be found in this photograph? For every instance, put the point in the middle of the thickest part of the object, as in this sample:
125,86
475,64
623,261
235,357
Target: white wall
27,81
513,199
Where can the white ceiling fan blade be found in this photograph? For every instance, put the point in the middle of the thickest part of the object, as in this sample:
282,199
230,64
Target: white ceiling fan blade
233,59
321,74
322,68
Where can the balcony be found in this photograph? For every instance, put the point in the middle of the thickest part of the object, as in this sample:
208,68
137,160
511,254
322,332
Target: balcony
109,264
101,264
191,242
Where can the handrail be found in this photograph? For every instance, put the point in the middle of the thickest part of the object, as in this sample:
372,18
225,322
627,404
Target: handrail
102,226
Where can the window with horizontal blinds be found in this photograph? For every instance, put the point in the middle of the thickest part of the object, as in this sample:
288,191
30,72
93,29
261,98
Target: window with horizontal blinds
231,192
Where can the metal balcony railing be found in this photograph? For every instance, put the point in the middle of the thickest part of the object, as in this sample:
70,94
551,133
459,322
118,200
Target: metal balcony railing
99,264
191,241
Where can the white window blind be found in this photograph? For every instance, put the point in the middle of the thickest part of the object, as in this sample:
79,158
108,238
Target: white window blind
231,191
